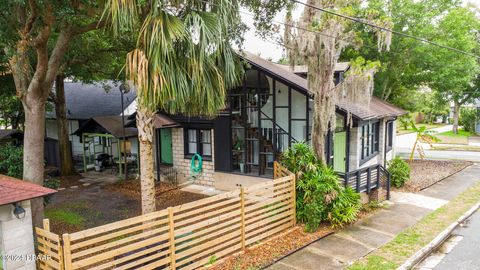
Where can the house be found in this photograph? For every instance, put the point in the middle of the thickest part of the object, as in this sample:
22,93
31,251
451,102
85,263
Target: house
85,102
13,136
107,135
16,234
269,112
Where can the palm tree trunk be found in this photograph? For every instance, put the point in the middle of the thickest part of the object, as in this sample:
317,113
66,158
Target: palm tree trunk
66,160
145,138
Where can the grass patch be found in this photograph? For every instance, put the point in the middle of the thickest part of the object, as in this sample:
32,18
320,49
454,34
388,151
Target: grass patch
64,216
449,137
404,245
461,133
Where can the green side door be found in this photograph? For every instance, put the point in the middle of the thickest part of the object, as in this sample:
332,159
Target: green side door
339,151
166,154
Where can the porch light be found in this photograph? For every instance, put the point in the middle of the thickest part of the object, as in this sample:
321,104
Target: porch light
18,211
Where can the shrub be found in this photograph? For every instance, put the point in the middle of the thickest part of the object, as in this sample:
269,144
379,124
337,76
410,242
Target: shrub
320,195
399,172
468,118
405,120
11,160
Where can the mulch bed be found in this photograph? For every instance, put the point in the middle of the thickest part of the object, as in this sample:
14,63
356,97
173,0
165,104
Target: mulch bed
425,173
167,194
267,252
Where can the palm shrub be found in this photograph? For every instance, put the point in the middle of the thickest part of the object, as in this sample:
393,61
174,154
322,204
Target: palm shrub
11,160
399,172
320,195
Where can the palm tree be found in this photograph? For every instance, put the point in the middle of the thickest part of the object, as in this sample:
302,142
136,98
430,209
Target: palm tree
183,63
422,136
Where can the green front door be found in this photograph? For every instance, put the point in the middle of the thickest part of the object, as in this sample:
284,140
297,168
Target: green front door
166,155
339,151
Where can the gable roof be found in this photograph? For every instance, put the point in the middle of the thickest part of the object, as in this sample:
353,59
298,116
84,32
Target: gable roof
84,101
377,109
107,124
14,190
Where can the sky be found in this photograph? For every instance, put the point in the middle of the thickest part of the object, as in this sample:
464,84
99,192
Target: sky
268,49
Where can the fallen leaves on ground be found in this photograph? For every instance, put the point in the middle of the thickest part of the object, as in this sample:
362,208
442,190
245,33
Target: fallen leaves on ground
267,252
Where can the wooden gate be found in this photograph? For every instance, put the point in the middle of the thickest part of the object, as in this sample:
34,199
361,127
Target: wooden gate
50,253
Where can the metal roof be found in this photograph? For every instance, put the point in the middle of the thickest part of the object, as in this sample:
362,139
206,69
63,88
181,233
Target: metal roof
84,101
377,109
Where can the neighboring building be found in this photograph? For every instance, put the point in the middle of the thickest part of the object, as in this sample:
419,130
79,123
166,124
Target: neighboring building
84,102
16,233
264,116
11,136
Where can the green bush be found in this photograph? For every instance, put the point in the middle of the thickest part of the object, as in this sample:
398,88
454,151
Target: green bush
320,195
405,120
399,172
468,118
11,160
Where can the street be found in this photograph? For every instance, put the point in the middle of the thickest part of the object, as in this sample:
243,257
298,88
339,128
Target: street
465,255
460,251
404,144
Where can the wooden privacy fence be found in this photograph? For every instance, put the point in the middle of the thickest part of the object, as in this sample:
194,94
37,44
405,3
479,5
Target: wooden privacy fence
187,236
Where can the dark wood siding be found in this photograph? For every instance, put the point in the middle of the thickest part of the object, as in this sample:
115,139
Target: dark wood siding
222,144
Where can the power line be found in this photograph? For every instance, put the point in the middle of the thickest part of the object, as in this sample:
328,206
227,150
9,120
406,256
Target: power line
386,29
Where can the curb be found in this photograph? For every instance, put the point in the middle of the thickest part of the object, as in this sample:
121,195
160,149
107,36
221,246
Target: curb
437,241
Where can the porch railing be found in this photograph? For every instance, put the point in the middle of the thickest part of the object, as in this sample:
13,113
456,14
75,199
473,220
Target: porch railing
367,179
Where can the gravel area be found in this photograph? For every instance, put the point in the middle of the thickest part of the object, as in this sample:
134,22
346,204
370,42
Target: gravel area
425,173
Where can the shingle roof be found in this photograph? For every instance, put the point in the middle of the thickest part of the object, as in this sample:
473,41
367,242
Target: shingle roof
84,101
377,109
14,190
109,124
10,133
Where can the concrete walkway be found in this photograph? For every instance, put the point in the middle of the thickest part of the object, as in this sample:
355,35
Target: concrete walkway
340,250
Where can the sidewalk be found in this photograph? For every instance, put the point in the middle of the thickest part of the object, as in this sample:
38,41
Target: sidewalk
339,250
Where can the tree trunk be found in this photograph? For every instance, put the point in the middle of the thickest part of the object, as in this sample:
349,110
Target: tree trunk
319,128
145,138
456,113
66,160
33,150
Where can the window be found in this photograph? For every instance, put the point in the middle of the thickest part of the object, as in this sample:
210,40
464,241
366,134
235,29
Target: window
369,140
389,135
198,141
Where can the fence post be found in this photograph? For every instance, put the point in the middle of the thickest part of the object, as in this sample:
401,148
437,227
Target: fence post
294,200
172,239
67,253
358,181
369,179
46,224
242,213
275,166
379,170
